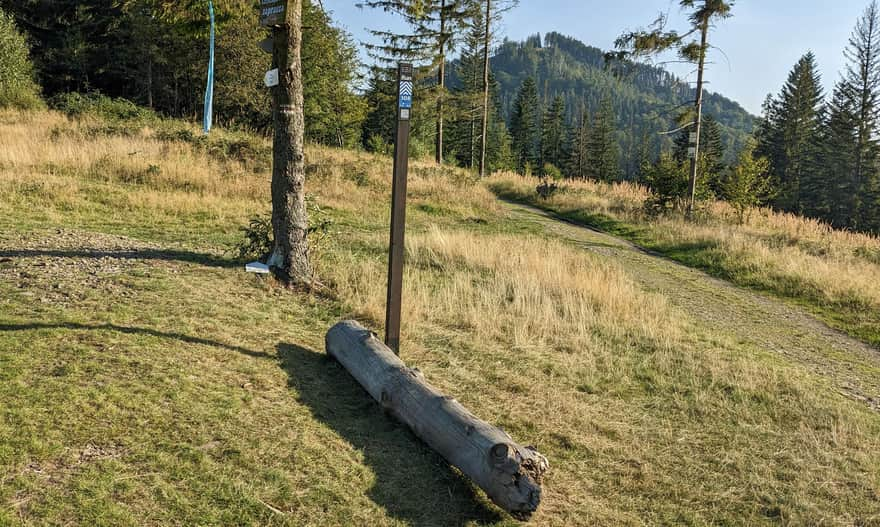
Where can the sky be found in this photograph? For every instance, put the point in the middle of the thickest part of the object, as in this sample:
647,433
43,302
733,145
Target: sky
760,44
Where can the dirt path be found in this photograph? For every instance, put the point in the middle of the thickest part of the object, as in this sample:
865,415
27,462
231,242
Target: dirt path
748,317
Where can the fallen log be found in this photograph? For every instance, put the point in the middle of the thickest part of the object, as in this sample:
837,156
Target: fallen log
510,474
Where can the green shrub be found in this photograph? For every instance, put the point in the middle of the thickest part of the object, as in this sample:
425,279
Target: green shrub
669,181
258,240
377,145
550,171
17,86
80,104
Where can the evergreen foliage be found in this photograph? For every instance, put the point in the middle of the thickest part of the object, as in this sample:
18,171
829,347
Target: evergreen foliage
668,179
525,126
748,184
824,156
17,86
603,152
434,24
645,98
789,133
154,52
578,161
554,134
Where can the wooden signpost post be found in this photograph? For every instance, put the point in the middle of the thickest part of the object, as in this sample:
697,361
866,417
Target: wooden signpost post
398,206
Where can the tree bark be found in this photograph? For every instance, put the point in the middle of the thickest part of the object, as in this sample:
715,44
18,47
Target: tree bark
290,259
695,162
441,84
485,138
510,474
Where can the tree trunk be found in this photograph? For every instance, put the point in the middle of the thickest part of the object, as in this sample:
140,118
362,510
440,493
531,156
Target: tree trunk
695,162
509,473
290,259
441,84
485,138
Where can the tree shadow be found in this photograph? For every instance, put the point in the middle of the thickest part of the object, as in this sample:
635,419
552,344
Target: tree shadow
30,326
412,483
209,260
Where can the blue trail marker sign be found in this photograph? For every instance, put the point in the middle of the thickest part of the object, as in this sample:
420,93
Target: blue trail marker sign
273,12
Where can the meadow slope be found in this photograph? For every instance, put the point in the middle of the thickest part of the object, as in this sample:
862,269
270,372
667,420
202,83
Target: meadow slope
835,274
146,379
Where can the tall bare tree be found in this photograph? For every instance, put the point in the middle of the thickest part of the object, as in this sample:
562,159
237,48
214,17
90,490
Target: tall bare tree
692,46
492,10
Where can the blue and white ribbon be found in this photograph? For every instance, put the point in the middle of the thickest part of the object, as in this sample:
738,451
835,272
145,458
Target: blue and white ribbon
209,90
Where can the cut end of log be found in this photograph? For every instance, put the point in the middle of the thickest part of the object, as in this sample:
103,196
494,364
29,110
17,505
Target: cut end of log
523,471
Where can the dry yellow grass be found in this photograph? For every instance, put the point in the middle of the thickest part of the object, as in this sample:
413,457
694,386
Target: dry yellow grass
797,257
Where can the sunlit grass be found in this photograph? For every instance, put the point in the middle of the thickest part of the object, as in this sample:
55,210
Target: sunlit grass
836,273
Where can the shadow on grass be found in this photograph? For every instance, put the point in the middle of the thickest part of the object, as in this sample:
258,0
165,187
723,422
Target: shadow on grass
141,254
33,326
412,483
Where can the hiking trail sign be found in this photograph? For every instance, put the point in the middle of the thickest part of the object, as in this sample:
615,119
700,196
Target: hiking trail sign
272,12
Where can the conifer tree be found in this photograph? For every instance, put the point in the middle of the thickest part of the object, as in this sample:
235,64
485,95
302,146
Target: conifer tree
525,126
711,156
603,151
789,134
578,161
852,150
434,25
838,158
862,85
492,12
554,134
467,129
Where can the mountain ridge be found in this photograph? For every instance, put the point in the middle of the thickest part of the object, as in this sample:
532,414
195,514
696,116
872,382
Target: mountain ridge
647,99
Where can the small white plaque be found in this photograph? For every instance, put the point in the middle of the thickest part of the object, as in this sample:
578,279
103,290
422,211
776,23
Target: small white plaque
257,267
271,79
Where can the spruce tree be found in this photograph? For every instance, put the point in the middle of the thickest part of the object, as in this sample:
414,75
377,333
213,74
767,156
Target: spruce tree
525,127
711,156
701,15
554,135
466,130
434,25
838,158
862,84
855,116
789,134
492,11
603,151
578,160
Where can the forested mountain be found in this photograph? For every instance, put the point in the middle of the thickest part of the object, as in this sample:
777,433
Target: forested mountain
646,100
